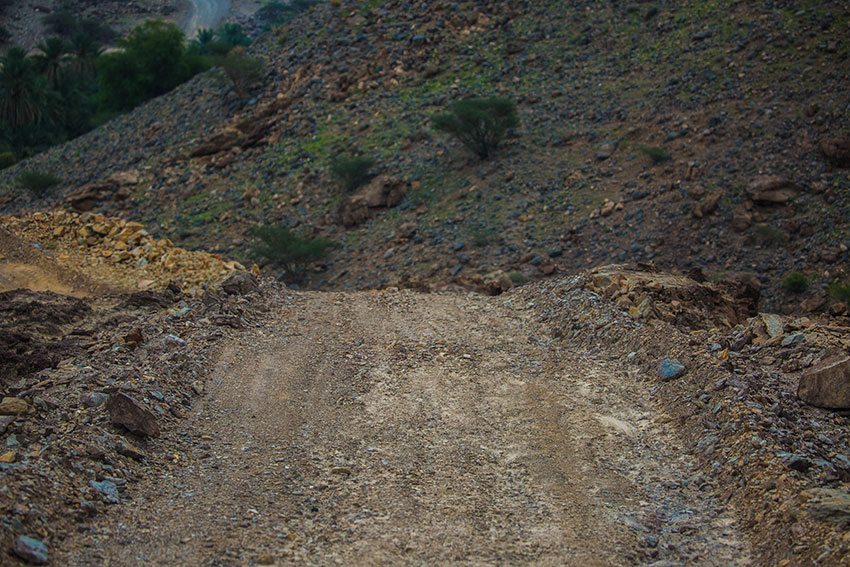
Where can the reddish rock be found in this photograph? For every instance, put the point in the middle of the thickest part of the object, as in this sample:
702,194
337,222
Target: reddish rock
132,414
827,385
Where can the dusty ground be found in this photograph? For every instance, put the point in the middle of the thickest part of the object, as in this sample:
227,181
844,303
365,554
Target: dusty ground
397,428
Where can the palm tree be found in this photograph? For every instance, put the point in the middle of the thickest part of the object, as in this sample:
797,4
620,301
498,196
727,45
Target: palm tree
84,51
21,89
204,38
53,52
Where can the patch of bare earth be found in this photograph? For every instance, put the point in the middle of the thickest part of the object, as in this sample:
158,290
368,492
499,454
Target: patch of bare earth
398,428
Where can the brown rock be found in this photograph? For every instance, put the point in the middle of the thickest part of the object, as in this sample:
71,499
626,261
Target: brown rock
88,196
13,406
241,283
773,190
382,192
708,204
827,385
813,304
217,143
132,414
741,219
837,151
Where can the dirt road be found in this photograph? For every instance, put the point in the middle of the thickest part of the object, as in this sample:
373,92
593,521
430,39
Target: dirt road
395,428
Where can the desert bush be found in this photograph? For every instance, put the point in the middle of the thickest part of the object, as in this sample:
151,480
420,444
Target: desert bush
351,172
519,278
657,155
795,282
38,182
770,233
485,236
840,291
479,123
281,246
7,159
245,73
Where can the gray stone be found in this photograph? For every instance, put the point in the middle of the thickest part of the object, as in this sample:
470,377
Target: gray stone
793,340
108,491
670,369
827,385
773,323
30,550
132,414
93,399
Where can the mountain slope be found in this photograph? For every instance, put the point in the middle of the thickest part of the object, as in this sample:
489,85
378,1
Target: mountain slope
732,91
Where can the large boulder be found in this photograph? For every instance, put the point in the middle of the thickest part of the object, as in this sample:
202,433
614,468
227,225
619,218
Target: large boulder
382,193
132,414
773,190
217,143
827,385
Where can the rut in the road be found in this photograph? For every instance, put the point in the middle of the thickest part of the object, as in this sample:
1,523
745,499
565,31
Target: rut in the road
397,428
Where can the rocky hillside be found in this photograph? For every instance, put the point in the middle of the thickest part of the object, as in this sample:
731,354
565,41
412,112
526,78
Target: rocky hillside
742,105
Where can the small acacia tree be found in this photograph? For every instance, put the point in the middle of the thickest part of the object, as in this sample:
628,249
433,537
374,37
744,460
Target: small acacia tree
245,73
479,123
281,246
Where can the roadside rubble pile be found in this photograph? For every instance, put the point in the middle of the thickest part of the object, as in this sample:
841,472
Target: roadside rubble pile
93,394
762,400
120,252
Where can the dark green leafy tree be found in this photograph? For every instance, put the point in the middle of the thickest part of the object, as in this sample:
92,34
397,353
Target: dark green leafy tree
279,245
152,63
351,172
479,123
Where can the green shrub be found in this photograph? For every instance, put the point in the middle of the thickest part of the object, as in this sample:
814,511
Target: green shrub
7,159
795,282
479,123
351,172
245,73
38,182
4,35
292,252
840,291
484,236
519,278
657,155
770,233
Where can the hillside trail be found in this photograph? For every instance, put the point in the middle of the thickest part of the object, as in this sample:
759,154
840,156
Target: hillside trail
395,428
